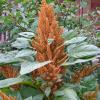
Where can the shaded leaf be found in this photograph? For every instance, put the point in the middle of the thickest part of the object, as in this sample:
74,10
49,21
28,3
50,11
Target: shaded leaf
32,91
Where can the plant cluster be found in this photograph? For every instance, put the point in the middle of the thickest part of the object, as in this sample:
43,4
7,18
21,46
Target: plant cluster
49,63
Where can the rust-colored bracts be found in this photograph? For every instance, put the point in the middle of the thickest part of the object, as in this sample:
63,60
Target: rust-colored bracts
5,97
10,72
48,29
84,72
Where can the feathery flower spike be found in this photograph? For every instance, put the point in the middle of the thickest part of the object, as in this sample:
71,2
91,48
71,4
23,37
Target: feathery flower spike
84,72
10,72
48,28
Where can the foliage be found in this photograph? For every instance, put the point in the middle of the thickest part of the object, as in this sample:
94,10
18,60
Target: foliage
51,63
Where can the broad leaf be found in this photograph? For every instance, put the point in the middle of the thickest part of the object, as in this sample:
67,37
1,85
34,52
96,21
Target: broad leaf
27,67
67,35
8,57
38,97
11,81
80,51
29,98
21,43
67,94
18,96
72,62
75,40
32,91
25,52
47,91
27,34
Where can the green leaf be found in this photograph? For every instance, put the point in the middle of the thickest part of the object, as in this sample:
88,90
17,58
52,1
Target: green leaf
57,9
32,91
83,4
29,98
59,93
67,35
8,57
80,51
47,91
11,81
33,1
98,95
75,40
18,96
25,52
78,61
27,67
27,34
68,94
38,97
21,43
34,25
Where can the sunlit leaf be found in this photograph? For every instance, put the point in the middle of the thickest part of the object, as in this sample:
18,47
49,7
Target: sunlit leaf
47,91
27,34
29,98
67,35
25,52
27,67
38,97
78,61
21,43
75,40
79,51
11,81
67,94
8,57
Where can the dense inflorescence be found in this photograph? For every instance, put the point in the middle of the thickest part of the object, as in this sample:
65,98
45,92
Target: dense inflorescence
10,72
49,45
78,75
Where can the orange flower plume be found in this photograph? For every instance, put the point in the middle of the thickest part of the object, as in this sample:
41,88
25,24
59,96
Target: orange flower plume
5,97
84,72
10,72
48,29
